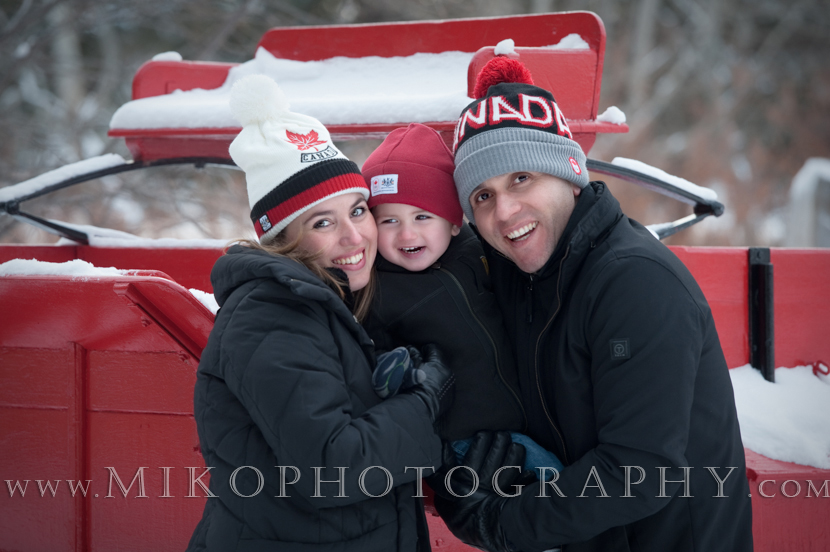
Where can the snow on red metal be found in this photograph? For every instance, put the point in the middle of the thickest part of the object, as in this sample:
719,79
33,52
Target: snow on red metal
574,76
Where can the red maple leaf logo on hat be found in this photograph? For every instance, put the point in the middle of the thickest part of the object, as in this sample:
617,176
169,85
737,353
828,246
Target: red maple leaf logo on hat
304,141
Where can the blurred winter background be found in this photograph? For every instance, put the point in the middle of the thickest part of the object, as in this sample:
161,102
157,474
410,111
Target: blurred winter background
730,94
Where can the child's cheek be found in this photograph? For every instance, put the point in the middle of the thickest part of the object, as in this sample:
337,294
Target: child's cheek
385,239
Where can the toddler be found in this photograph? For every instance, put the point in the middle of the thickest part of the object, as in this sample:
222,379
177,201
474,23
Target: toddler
433,287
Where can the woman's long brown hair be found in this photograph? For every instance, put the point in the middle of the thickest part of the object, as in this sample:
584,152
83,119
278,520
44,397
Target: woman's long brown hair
281,247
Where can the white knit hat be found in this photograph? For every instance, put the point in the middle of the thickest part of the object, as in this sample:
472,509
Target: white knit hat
289,160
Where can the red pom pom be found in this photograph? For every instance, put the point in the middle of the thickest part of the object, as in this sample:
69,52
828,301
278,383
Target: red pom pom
498,70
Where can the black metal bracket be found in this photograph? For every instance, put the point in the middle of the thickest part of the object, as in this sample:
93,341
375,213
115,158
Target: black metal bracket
703,207
761,313
50,226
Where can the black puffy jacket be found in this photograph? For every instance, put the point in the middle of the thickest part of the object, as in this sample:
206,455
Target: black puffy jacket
285,380
451,304
620,365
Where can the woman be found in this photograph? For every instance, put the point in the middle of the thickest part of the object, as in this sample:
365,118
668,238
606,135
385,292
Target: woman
284,405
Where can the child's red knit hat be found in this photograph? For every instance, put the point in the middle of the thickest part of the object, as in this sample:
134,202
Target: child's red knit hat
414,166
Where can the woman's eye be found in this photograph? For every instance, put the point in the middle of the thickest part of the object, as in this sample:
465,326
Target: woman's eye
358,211
388,221
322,223
422,217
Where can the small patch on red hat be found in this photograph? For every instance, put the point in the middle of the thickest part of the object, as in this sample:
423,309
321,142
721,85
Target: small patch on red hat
577,169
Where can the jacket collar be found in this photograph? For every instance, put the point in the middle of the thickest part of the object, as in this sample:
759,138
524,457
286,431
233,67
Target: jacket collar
243,264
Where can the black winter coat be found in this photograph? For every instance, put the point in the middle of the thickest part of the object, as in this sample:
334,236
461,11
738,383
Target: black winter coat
451,304
285,380
620,365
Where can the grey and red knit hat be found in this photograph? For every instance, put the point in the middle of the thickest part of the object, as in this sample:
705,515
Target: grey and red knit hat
414,166
289,160
512,126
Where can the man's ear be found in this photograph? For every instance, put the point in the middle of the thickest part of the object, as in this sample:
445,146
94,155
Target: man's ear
455,230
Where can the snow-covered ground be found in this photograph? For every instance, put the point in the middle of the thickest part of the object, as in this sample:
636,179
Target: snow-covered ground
785,420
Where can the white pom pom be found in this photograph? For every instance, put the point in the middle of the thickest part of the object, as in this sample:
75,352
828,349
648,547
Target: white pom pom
257,98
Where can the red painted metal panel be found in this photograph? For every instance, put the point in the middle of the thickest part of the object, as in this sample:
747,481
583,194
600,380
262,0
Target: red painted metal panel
141,381
571,75
49,312
126,442
574,76
441,539
190,268
153,147
156,78
67,413
48,253
164,143
721,272
782,523
403,39
37,444
801,305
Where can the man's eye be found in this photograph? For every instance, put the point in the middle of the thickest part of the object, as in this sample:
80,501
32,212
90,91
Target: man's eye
522,177
482,196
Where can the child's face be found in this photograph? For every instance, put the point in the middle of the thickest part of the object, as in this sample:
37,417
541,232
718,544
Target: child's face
411,237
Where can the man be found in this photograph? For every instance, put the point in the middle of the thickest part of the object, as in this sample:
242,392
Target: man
620,367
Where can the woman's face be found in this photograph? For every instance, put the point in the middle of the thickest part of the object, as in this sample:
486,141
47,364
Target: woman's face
342,231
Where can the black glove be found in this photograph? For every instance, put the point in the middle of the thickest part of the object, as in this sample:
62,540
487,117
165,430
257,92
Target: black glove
475,519
438,383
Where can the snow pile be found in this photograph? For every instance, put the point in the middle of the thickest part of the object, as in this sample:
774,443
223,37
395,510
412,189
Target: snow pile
82,270
38,183
786,420
418,88
107,237
505,48
75,268
158,243
571,42
612,115
207,299
168,56
341,90
659,174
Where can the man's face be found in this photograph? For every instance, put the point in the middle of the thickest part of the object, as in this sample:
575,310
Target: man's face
523,215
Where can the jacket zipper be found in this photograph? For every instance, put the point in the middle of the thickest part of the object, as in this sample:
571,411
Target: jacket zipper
492,344
536,358
530,300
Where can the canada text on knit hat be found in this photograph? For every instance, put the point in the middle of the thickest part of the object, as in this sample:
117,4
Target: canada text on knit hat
289,160
512,126
533,111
